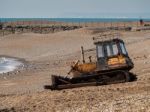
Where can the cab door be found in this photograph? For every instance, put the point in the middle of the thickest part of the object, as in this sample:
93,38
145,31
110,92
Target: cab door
101,58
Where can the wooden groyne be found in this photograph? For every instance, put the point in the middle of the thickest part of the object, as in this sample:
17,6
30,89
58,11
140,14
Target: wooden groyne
45,27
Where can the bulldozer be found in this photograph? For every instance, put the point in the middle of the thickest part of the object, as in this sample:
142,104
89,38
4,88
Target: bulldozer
112,66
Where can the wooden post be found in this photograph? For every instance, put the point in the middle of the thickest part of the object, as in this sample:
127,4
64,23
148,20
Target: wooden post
13,29
84,24
41,26
79,23
90,59
82,51
3,32
104,24
111,24
124,25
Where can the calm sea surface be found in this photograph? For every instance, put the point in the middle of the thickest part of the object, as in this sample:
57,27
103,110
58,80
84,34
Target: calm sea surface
74,19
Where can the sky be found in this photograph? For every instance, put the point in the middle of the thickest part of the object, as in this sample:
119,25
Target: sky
74,8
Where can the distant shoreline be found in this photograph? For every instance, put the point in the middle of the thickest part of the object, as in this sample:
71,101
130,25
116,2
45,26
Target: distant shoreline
74,20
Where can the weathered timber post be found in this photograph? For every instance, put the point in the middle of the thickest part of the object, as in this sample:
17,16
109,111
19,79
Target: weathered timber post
82,51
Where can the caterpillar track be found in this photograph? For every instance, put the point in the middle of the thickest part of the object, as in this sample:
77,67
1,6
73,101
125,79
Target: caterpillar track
59,82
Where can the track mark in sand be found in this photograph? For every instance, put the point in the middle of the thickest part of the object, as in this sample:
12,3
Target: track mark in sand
133,41
7,83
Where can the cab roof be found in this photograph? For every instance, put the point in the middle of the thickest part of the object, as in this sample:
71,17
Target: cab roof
107,38
108,41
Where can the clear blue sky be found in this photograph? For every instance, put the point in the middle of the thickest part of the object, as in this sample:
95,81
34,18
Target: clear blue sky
74,8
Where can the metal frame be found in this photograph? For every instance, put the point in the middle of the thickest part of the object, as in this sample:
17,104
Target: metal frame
106,37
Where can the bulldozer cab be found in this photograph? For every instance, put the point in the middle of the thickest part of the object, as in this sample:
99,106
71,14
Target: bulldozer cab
112,54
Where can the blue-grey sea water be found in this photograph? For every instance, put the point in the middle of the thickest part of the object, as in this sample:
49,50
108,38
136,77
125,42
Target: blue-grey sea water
75,19
8,64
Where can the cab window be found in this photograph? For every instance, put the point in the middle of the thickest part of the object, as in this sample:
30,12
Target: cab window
123,49
115,49
100,51
109,50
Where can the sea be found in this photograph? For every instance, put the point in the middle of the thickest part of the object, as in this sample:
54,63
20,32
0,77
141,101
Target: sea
9,64
74,20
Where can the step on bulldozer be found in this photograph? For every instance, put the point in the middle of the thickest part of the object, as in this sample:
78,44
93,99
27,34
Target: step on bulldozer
112,66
